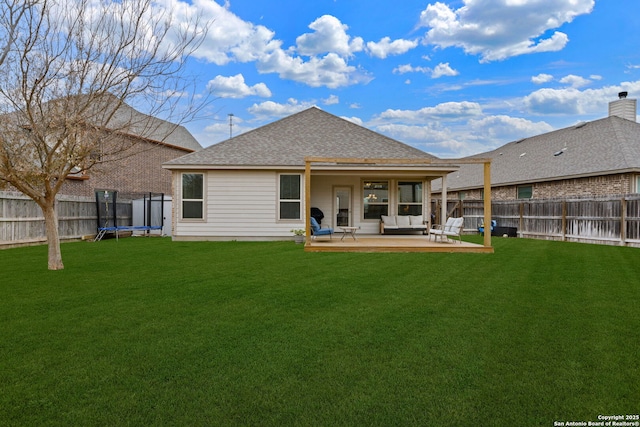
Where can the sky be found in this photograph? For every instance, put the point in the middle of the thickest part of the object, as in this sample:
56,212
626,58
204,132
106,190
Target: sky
452,78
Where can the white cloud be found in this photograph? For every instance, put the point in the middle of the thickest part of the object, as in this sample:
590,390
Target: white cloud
355,120
415,133
455,129
331,71
219,130
500,29
331,100
443,70
572,101
446,110
507,128
232,39
574,81
235,87
330,35
541,78
270,109
228,35
386,47
408,68
458,136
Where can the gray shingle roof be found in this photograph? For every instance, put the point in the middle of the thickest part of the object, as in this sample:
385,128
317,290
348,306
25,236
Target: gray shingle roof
153,128
601,147
288,141
108,112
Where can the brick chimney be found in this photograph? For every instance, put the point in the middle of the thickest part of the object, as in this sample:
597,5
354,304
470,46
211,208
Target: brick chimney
623,107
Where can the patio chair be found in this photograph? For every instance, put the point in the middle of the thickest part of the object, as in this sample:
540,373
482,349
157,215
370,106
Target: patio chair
316,230
494,223
452,228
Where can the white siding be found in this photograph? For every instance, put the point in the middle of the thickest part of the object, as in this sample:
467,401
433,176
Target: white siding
239,205
243,205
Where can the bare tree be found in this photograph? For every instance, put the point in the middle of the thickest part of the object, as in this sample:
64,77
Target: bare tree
67,69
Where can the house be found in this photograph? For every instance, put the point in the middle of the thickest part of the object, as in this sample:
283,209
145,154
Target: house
134,174
132,148
596,158
154,141
261,184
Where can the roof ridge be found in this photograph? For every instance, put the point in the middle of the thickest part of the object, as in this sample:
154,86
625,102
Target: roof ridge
310,132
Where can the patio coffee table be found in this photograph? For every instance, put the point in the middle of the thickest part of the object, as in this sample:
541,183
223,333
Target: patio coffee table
349,230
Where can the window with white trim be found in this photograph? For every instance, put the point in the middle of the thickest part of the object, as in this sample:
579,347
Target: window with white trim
192,196
290,196
375,199
410,198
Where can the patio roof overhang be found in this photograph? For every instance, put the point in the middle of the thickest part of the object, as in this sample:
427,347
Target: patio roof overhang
429,168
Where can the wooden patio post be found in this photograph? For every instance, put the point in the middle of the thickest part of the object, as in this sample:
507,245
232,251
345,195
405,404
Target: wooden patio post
427,203
443,208
487,203
307,202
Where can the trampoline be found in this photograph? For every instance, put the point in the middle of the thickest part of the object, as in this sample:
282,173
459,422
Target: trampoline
106,204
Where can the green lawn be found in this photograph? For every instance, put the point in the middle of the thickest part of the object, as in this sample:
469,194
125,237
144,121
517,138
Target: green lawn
153,332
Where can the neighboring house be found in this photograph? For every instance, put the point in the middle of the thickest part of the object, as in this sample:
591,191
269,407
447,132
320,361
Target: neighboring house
252,186
140,170
596,158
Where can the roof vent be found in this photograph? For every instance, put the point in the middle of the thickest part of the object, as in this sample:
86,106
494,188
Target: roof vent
580,125
558,153
622,95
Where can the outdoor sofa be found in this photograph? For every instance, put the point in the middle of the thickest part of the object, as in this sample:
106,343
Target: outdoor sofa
403,224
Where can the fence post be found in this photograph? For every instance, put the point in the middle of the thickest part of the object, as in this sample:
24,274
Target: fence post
564,220
623,222
521,220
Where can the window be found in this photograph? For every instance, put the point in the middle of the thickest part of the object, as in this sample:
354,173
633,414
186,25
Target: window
637,182
290,197
192,196
525,191
409,198
376,199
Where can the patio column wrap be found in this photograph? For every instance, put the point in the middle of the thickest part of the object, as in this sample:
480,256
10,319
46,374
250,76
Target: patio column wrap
307,202
487,203
443,208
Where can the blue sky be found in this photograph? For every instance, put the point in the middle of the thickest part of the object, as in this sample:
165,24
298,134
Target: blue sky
452,78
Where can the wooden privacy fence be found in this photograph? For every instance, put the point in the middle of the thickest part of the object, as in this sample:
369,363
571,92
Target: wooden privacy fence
22,221
613,220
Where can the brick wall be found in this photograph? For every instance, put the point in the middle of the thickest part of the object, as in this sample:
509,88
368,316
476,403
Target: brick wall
141,172
591,186
604,185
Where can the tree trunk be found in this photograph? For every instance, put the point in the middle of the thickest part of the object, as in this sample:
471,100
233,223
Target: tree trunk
53,237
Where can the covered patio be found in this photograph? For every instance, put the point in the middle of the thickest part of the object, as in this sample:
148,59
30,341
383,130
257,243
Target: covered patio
369,240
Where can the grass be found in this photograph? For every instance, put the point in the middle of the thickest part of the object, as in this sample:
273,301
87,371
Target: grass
154,332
